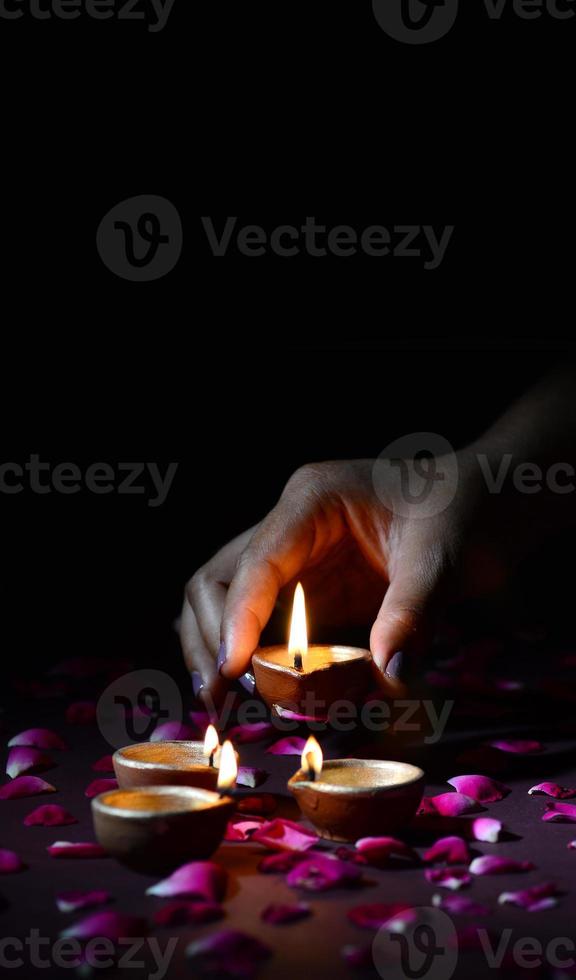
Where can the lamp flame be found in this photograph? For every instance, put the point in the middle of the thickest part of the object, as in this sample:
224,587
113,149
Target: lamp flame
298,641
211,743
228,767
312,758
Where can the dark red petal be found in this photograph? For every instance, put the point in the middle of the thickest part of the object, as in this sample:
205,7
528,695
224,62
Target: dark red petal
100,786
182,913
25,786
38,738
280,914
228,952
81,713
49,815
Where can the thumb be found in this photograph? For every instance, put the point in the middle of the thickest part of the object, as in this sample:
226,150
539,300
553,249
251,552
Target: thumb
402,623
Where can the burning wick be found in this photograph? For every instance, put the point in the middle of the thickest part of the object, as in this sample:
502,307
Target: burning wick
312,759
211,744
298,640
228,769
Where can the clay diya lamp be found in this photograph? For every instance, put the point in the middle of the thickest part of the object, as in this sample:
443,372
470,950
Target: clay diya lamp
157,828
168,763
346,799
309,679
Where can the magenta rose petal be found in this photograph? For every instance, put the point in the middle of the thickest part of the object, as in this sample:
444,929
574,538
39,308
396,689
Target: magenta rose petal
107,925
449,804
21,760
38,738
281,862
49,815
81,713
251,776
533,899
520,746
75,900
291,745
183,913
228,952
492,864
322,872
480,788
459,905
251,732
560,813
358,957
10,862
242,830
377,914
486,829
290,715
173,731
200,720
76,849
452,878
281,914
197,879
100,786
25,786
551,789
103,765
285,835
379,850
452,850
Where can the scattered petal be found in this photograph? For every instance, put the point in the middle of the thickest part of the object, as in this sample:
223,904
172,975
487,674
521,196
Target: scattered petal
100,786
452,850
22,760
560,813
49,815
74,901
81,713
358,957
183,913
291,745
321,872
104,764
25,786
280,863
251,732
9,862
350,854
281,914
173,731
459,905
76,849
379,850
533,899
265,804
200,720
491,864
242,830
228,952
452,878
551,789
520,746
486,829
449,804
480,788
378,914
290,715
197,879
285,835
106,925
38,738
251,777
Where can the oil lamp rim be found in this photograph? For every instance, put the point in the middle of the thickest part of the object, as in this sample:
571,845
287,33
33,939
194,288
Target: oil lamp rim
125,760
297,781
186,792
361,652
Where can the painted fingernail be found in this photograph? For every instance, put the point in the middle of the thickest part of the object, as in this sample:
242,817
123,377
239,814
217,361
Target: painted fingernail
248,682
197,683
221,659
396,667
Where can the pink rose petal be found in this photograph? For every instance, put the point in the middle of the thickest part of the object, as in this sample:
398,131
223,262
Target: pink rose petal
449,804
103,765
22,760
380,850
81,713
107,925
533,899
242,830
251,777
571,845
560,813
358,957
9,862
197,879
200,720
486,829
183,913
452,850
491,864
551,789
321,872
519,746
281,914
291,745
285,835
49,815
452,878
25,786
459,905
38,738
228,952
264,804
254,732
296,716
378,914
100,786
280,863
76,849
350,854
480,788
173,731
76,900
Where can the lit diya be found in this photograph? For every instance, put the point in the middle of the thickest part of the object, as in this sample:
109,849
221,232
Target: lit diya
157,828
347,799
309,679
175,763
